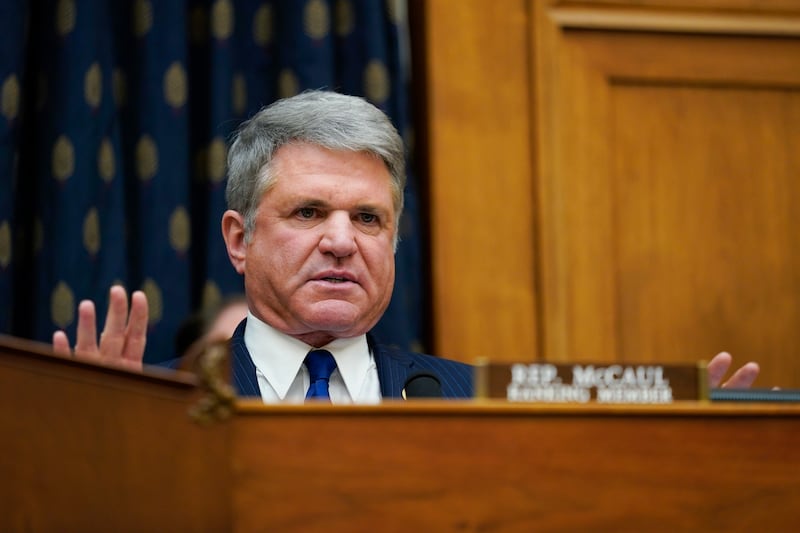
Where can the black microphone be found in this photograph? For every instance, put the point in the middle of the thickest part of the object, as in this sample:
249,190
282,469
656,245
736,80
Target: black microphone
422,384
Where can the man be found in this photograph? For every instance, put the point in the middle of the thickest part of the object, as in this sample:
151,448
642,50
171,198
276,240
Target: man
315,194
315,191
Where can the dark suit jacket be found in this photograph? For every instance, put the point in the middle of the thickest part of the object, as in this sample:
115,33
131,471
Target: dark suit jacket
394,368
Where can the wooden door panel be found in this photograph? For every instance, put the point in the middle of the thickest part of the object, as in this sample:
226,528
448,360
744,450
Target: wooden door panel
704,181
671,233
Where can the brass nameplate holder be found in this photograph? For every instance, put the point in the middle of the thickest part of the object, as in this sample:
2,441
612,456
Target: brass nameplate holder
608,383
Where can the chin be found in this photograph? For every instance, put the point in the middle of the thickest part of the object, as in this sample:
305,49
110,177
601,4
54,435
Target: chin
339,320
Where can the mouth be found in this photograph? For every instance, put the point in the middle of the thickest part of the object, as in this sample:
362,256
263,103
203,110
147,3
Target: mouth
336,278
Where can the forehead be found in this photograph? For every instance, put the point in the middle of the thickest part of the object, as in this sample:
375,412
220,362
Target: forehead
305,169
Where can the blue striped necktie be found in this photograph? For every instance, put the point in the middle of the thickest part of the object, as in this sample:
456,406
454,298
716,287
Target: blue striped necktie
320,365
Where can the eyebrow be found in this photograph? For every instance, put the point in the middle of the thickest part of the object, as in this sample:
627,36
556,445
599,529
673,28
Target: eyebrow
369,208
316,202
310,202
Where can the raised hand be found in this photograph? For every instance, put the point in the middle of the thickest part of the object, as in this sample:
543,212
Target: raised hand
743,378
123,338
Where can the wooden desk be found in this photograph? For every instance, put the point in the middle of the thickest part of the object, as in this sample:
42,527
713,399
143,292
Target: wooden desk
87,448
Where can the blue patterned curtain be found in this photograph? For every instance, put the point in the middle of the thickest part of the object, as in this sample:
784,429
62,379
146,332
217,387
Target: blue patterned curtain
113,130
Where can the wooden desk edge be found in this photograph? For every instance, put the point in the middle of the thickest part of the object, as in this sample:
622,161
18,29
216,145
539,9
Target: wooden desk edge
255,407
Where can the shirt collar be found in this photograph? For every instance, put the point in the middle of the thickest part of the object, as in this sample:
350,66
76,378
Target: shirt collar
279,357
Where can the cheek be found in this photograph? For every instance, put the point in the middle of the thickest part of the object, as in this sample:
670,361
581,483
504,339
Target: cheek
381,266
280,265
273,250
264,266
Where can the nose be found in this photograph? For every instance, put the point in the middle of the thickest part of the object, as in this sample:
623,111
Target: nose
339,235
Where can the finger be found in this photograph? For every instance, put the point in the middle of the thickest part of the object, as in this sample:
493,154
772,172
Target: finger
86,335
136,330
718,367
61,343
744,377
112,340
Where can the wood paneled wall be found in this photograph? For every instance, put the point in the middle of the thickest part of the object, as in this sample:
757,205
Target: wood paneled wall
615,180
481,180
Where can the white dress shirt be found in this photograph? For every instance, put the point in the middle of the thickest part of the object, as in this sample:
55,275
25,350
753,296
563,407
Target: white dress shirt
282,377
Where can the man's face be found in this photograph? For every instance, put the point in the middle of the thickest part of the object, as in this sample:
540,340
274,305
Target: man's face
320,260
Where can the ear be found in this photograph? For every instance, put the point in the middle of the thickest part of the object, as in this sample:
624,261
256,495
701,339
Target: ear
233,233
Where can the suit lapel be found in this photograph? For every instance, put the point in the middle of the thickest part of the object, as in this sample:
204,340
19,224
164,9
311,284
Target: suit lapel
393,369
243,371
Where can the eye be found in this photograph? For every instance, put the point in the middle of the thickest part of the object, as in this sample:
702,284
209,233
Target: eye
306,213
368,218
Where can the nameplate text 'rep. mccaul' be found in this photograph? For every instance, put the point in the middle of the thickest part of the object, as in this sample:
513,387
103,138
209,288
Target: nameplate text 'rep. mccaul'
618,383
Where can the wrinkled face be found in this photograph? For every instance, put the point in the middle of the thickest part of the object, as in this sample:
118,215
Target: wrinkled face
320,260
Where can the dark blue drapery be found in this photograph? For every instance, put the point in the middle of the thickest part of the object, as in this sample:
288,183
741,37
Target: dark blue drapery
114,118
